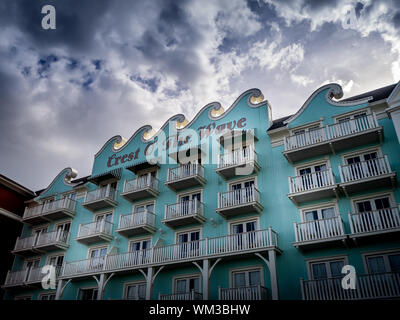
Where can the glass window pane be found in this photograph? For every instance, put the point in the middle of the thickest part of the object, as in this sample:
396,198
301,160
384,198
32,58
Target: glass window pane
394,261
328,213
336,268
311,215
239,279
254,278
376,264
319,271
181,286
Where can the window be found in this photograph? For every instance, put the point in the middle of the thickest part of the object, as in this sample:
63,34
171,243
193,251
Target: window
103,189
382,263
352,123
189,204
88,294
139,251
103,222
186,285
314,176
62,230
144,178
247,278
144,207
189,243
243,235
135,291
309,135
363,165
97,258
37,232
47,296
71,195
374,212
56,261
326,269
30,265
242,192
319,214
48,203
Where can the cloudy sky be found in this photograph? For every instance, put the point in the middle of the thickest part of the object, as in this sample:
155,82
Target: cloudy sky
113,66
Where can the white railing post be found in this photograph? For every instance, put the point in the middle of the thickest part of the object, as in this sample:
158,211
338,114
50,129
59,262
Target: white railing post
296,231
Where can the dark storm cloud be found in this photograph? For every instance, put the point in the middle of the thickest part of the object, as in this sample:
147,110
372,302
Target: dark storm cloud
111,65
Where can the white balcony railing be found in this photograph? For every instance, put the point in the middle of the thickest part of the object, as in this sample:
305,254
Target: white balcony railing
238,197
26,276
57,236
311,181
330,132
237,157
368,286
256,292
192,295
183,209
106,192
230,244
318,229
25,243
185,171
136,219
141,183
44,208
374,221
364,169
95,228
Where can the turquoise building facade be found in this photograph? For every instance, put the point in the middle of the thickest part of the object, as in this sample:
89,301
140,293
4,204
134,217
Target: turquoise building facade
231,205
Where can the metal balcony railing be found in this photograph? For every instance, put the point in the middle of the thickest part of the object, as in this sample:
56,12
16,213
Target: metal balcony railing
237,157
368,286
30,275
136,219
238,197
95,228
53,237
364,169
24,243
100,194
311,181
192,295
256,292
185,171
230,244
184,208
140,184
330,132
374,221
318,229
44,208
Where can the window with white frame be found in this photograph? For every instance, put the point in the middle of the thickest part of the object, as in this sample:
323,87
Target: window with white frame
241,192
135,291
97,256
56,261
187,284
188,243
70,195
140,251
247,278
144,207
244,226
351,123
62,230
36,232
324,269
383,262
30,265
319,213
313,176
144,177
189,203
307,135
103,222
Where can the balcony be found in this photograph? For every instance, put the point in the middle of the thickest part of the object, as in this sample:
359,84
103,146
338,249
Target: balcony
47,241
192,295
184,213
237,162
185,176
51,241
239,201
101,198
257,292
313,234
140,188
368,286
366,175
312,186
237,245
49,211
95,232
373,223
27,277
136,223
333,138
24,246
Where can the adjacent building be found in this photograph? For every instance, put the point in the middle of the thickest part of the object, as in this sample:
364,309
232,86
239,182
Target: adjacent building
237,206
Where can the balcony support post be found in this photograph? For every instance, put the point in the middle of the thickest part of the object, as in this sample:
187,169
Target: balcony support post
60,288
271,264
206,271
150,277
